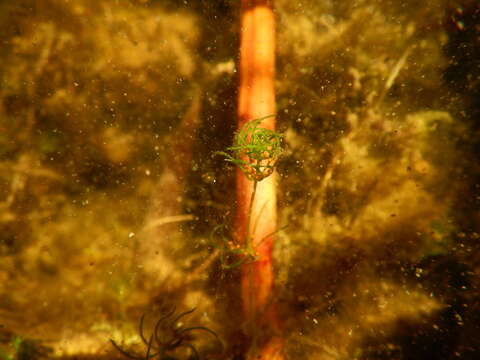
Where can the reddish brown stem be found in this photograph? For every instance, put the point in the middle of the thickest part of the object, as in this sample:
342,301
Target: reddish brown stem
257,99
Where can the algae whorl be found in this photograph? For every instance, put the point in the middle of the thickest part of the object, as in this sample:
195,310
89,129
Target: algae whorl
256,150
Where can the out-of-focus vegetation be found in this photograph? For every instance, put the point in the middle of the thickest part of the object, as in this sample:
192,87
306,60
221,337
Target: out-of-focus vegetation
110,112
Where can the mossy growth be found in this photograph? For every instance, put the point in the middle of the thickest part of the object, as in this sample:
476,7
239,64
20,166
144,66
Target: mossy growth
256,151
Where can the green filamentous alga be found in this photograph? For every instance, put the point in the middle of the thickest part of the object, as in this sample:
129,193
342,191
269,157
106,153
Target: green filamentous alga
255,151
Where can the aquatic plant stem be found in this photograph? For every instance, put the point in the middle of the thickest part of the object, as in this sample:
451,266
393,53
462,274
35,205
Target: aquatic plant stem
250,250
256,202
249,240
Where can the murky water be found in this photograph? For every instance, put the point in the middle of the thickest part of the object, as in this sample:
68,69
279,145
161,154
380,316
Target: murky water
117,215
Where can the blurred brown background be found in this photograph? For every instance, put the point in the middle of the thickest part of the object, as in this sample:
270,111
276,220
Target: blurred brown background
110,112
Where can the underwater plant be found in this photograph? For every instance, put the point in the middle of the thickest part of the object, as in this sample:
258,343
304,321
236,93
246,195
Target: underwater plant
259,146
256,151
167,337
